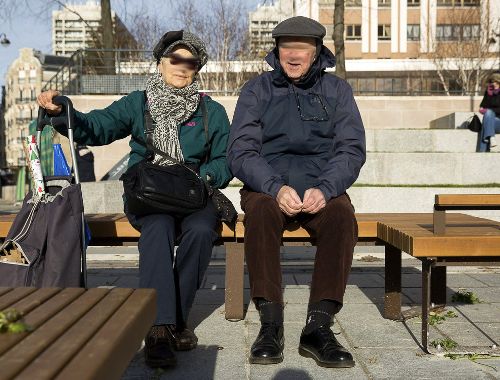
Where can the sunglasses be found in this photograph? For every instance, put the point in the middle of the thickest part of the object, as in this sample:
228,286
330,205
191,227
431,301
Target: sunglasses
177,59
311,107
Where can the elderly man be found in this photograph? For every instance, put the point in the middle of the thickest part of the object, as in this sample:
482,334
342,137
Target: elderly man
297,143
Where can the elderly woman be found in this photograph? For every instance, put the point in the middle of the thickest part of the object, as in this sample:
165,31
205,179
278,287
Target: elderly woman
490,108
172,94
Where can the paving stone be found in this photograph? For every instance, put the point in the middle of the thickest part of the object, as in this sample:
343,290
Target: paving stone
354,295
392,363
490,279
481,312
366,280
365,327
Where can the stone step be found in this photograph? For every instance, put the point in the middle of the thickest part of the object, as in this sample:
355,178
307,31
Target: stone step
430,169
421,140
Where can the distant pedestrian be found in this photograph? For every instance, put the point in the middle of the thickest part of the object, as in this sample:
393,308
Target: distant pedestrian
490,108
297,143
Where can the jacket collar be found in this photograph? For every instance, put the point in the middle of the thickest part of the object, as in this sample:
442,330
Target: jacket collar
280,79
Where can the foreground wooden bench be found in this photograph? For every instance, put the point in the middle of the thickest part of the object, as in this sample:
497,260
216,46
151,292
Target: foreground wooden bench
77,333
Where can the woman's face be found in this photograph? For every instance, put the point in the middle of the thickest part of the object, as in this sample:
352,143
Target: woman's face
496,85
177,69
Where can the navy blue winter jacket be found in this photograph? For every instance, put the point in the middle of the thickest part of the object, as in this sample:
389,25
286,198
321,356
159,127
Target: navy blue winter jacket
304,135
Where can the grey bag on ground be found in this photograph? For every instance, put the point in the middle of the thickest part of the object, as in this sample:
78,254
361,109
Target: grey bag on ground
44,245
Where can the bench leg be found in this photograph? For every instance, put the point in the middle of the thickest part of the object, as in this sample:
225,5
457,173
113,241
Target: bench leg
438,285
439,222
392,299
426,297
235,268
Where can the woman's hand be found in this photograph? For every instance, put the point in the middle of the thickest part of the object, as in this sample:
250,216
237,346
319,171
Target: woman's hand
44,100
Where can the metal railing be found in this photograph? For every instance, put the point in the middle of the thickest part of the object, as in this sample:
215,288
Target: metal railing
98,71
119,72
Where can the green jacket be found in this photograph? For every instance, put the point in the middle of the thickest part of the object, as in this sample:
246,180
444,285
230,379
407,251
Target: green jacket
125,117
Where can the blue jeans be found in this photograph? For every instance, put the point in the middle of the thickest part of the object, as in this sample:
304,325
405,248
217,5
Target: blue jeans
491,125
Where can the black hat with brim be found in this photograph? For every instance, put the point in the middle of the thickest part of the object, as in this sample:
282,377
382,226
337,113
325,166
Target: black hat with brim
299,26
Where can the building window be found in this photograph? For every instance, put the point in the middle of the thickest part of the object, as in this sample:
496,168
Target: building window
413,3
458,3
413,32
353,32
448,32
384,3
352,3
384,32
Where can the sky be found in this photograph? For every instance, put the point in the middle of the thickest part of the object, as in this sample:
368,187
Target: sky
29,24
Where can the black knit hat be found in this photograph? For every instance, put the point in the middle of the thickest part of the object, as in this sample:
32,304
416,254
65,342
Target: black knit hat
181,37
299,26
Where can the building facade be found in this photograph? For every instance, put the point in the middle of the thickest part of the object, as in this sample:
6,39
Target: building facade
401,47
24,80
78,27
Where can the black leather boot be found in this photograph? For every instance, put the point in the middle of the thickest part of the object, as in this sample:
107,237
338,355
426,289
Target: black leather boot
321,345
158,350
268,347
183,338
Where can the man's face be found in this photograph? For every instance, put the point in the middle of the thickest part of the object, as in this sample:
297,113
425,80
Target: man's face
297,54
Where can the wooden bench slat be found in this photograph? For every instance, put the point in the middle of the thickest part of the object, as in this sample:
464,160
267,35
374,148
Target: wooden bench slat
114,345
467,199
15,295
4,289
50,362
15,359
41,314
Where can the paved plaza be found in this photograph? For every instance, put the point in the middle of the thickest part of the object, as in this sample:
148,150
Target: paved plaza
382,349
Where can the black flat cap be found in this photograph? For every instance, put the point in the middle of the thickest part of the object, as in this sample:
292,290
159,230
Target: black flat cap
299,26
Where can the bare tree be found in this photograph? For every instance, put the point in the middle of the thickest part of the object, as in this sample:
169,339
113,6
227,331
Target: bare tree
107,36
460,51
222,25
338,38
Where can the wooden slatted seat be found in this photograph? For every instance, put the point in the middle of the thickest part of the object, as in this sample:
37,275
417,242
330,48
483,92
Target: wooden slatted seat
76,333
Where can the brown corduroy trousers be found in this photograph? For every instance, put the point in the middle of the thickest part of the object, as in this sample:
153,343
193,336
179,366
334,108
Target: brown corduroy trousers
334,228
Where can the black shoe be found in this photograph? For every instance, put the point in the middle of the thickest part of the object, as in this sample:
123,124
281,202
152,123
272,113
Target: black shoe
321,345
158,348
184,339
268,347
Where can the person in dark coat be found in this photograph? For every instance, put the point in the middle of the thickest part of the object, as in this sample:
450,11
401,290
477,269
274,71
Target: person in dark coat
297,143
490,108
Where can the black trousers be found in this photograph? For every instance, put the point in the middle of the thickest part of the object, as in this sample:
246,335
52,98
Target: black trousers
334,228
176,278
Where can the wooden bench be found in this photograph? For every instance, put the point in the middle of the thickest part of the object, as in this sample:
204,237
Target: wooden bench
77,333
445,202
467,240
394,230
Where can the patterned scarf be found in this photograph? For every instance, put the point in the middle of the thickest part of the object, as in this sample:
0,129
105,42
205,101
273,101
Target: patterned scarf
170,107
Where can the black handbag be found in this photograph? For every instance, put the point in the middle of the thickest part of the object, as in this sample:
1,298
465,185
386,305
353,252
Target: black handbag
174,189
474,124
155,189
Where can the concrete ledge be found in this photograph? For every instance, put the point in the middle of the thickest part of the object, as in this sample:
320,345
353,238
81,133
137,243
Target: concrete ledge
430,169
454,120
421,140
